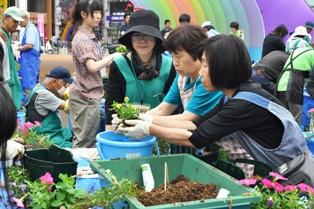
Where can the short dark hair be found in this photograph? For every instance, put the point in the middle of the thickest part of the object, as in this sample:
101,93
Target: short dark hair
177,39
228,60
184,18
125,15
234,25
166,21
281,30
209,27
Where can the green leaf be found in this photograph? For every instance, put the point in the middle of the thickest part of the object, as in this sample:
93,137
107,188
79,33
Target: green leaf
56,203
61,196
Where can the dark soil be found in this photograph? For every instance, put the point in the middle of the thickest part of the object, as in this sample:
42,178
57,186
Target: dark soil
179,190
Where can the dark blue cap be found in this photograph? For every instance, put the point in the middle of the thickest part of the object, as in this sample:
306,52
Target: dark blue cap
309,24
61,73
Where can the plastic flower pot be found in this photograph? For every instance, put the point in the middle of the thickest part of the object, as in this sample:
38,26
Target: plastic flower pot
210,158
185,164
54,160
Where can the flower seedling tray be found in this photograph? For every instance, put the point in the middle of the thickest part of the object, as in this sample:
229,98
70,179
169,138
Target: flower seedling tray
185,164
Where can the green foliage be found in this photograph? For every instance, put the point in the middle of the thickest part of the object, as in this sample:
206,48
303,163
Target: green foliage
64,194
124,110
17,176
163,146
106,197
122,49
223,154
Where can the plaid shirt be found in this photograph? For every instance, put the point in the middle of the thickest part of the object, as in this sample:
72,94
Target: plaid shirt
86,84
235,150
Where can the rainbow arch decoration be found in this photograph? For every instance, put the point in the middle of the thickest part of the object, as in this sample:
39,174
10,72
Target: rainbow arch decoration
256,17
67,31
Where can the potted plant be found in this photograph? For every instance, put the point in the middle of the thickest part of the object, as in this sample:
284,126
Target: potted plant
274,195
32,138
124,110
44,193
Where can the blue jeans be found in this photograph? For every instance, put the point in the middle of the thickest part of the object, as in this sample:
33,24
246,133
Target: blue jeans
265,83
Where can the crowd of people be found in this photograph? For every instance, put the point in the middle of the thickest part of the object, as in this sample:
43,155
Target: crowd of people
206,91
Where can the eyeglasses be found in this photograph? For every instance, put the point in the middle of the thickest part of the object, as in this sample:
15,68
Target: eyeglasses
137,37
15,21
65,84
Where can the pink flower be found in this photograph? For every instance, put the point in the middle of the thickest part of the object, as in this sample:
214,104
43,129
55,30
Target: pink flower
304,187
46,178
277,176
247,181
290,187
21,128
29,125
37,123
18,121
310,110
267,183
278,187
18,202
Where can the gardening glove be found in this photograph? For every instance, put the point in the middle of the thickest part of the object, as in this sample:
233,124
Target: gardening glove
66,93
14,150
115,121
18,140
145,117
66,107
140,129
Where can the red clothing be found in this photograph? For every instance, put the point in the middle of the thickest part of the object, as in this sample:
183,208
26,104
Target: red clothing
86,84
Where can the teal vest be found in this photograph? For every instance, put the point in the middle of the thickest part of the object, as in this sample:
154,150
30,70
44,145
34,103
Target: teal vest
51,125
144,91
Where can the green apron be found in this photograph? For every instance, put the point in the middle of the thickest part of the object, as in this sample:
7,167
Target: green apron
144,91
51,125
13,82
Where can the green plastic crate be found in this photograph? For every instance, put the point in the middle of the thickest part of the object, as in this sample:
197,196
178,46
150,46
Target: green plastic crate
188,165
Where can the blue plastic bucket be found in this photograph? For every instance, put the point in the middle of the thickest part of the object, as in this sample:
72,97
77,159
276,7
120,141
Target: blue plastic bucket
110,146
20,116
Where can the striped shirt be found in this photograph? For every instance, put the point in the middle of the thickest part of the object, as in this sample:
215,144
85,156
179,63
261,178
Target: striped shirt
86,84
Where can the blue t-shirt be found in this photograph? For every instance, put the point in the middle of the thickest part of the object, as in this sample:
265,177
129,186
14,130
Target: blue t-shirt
201,101
32,36
124,28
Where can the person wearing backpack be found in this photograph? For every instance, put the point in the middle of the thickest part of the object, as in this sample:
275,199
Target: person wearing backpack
296,40
290,86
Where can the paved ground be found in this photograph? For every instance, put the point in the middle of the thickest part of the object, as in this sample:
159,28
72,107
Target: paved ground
49,61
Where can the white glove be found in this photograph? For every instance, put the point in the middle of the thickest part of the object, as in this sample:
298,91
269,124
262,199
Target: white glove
140,129
14,150
116,54
115,121
145,117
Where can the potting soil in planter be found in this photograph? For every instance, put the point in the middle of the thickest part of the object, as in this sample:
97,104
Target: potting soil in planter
179,190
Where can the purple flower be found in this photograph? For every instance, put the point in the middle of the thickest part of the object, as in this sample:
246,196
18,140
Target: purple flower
277,176
247,181
270,202
18,202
